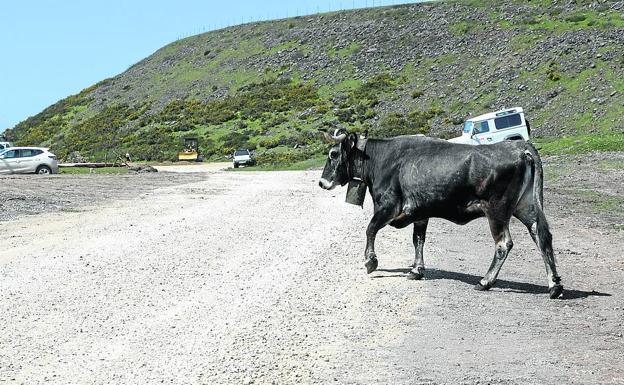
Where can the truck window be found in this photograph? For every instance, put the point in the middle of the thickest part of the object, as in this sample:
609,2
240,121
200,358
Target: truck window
482,127
507,121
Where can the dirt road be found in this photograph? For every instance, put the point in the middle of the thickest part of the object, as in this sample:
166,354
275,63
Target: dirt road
239,278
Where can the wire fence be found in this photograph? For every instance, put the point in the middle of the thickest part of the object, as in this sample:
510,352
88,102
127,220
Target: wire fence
296,10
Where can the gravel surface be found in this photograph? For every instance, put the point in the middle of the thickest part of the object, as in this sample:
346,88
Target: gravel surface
240,278
31,194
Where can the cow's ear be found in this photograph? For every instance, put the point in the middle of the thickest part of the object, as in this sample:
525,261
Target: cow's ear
351,141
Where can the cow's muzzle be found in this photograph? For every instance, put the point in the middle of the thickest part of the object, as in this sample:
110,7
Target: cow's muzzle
325,184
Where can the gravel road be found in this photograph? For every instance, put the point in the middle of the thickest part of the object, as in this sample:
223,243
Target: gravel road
248,277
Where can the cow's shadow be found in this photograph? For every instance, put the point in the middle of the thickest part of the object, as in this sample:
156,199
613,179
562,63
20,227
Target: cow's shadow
512,286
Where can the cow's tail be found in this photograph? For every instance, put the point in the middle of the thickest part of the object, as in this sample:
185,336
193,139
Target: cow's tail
538,175
539,228
542,230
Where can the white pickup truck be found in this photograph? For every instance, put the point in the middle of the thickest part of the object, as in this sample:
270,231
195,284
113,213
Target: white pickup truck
506,124
4,145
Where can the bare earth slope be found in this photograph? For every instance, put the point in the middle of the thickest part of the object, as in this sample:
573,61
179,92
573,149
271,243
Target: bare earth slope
210,283
403,69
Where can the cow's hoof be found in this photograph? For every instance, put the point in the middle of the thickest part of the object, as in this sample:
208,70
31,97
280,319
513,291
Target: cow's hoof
416,274
371,265
556,291
480,287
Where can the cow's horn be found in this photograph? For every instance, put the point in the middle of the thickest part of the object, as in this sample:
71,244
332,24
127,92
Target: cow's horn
339,138
328,138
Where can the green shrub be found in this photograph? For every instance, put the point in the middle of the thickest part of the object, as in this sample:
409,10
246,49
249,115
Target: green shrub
287,156
529,20
576,18
345,115
41,128
552,73
358,105
269,143
416,122
447,134
236,140
454,120
250,103
393,124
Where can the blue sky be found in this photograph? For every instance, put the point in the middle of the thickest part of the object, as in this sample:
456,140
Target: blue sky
54,48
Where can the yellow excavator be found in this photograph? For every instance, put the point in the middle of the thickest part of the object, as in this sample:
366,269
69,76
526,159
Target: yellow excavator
190,151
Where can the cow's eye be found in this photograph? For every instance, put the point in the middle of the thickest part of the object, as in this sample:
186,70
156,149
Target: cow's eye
333,154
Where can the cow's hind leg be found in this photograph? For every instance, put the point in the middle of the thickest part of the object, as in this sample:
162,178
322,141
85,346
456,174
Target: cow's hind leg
418,269
534,219
503,245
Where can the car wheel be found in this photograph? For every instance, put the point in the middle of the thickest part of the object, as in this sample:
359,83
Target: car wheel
44,170
235,165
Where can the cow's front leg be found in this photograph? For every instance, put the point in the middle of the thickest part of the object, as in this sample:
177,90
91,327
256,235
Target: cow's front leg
418,269
381,218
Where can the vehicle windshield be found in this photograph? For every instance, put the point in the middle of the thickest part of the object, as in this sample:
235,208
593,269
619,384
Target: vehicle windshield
467,127
241,153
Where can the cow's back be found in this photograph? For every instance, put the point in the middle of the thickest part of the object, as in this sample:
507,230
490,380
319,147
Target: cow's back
442,177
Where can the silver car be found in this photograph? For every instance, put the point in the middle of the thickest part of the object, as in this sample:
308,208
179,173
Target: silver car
243,157
27,160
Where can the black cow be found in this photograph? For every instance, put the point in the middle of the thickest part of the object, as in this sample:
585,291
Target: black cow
412,179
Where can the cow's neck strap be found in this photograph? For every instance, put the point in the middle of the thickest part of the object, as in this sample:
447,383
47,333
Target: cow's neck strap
356,171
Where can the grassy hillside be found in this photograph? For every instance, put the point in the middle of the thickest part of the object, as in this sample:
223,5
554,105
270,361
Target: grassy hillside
419,68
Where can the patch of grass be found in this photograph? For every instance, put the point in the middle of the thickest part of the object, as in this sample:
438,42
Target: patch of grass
584,121
349,50
344,52
327,91
580,144
571,21
611,164
575,81
283,46
555,172
358,105
461,28
601,201
447,59
308,164
523,42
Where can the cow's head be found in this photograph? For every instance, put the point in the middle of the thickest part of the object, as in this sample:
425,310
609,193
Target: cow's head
336,171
